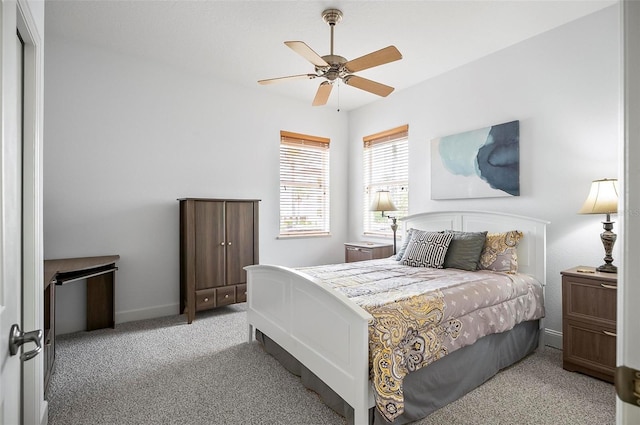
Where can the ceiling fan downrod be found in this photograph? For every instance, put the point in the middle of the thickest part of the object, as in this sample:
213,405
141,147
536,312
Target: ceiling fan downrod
332,17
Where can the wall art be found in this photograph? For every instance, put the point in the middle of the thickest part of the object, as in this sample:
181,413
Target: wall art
482,163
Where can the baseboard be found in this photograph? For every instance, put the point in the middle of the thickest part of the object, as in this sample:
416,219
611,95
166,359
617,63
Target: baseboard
553,338
146,313
44,413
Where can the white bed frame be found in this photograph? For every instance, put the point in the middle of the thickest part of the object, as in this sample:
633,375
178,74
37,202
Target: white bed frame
291,307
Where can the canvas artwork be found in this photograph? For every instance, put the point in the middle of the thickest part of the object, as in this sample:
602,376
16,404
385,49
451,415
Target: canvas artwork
481,163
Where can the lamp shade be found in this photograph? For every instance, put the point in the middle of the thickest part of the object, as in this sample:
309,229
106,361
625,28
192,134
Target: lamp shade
602,199
382,201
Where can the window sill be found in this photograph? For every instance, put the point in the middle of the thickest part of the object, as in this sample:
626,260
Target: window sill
305,236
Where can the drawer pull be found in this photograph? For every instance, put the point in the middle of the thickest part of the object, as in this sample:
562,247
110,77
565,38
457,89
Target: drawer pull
610,333
352,249
226,296
604,285
206,300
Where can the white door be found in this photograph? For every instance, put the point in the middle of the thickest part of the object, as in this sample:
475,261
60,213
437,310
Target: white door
628,346
21,107
20,256
10,230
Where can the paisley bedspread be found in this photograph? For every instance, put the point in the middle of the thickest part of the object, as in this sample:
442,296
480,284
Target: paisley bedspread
422,314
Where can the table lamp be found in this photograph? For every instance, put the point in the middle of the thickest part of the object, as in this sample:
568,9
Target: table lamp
382,202
603,199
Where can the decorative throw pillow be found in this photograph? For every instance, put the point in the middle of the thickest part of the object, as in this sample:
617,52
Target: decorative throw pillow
499,252
464,250
427,249
405,242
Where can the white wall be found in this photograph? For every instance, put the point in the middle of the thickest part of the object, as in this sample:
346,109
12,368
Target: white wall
124,138
564,87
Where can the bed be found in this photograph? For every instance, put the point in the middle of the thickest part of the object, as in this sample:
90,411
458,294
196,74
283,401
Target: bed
287,309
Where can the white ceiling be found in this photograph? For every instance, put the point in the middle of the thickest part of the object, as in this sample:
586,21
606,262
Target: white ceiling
242,41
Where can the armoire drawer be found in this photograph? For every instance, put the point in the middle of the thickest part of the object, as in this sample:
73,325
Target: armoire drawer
225,295
205,299
241,293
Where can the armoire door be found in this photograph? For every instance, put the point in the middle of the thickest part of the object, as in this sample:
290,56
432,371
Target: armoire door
210,244
240,243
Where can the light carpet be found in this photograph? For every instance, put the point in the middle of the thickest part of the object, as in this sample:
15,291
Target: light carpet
164,371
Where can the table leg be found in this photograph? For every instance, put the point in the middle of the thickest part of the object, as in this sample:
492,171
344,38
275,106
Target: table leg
100,301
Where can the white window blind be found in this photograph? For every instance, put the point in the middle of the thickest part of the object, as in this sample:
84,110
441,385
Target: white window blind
386,167
304,185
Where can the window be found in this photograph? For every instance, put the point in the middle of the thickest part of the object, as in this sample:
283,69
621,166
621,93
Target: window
386,167
304,185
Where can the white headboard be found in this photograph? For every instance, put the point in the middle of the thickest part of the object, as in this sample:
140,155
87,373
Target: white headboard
532,258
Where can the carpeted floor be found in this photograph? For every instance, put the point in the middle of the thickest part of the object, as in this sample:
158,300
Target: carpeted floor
164,371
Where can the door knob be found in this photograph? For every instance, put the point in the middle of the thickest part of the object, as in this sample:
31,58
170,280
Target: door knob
17,338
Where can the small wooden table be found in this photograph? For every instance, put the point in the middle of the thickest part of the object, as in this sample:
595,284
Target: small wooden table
100,275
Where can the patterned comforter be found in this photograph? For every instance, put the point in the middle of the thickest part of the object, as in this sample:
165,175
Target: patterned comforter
422,314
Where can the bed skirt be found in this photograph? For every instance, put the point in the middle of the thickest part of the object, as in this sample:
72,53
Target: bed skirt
430,388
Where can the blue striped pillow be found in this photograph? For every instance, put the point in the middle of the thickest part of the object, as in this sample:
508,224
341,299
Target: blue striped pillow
427,249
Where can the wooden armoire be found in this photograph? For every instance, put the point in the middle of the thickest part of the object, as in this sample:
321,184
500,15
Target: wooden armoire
218,238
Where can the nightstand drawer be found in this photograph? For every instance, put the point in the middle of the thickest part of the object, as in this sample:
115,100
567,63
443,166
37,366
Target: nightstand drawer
361,251
589,349
586,299
354,253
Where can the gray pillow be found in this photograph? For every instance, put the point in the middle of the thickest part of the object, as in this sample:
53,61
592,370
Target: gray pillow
465,250
405,242
427,249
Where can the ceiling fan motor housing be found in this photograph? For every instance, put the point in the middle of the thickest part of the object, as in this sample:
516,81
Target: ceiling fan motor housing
336,67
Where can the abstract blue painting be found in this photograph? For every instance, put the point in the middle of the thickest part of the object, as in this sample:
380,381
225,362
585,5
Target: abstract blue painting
481,163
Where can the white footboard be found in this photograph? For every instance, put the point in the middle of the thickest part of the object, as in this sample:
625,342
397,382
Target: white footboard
317,325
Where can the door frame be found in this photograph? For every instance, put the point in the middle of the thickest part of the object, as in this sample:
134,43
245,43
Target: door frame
628,341
34,407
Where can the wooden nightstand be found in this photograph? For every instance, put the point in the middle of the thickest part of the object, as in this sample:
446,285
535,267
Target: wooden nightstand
360,251
589,322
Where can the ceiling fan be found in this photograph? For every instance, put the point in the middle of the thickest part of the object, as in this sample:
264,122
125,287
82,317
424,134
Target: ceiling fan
333,66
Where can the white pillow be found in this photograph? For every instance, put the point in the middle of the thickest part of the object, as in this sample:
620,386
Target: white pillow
405,242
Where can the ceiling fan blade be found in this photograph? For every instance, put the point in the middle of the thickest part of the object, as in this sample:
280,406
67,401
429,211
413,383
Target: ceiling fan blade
379,57
307,52
290,77
368,85
322,95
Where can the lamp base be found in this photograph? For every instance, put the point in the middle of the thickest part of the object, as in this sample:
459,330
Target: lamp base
608,240
607,268
394,227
